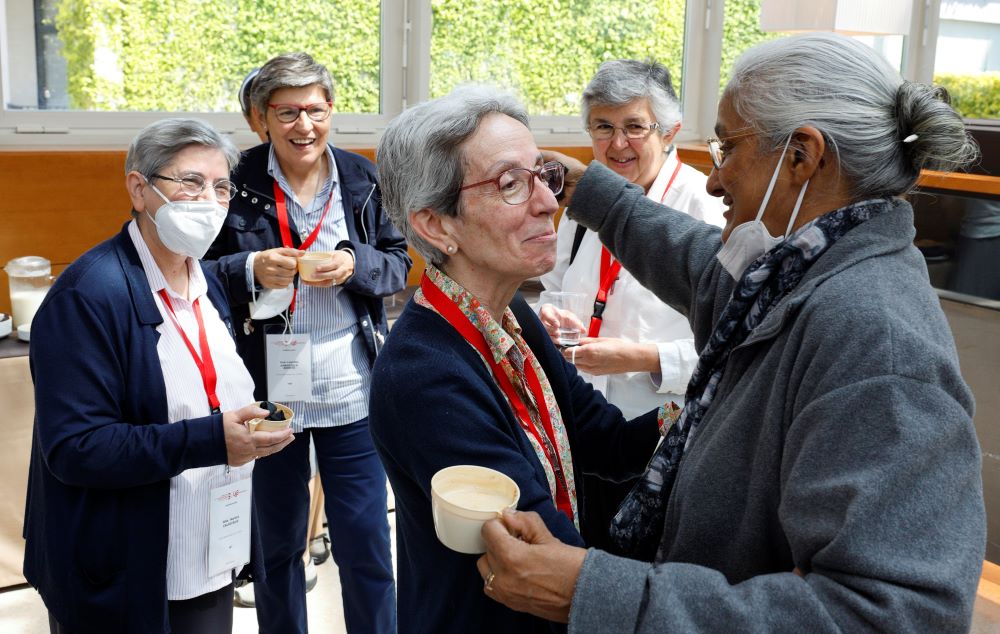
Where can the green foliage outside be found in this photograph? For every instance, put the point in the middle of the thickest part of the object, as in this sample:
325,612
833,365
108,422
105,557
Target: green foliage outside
974,96
192,55
547,52
740,31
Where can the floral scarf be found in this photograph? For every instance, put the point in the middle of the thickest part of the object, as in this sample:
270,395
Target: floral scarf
511,352
638,526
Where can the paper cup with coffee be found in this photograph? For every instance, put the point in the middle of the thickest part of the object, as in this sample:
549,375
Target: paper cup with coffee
308,263
463,498
279,417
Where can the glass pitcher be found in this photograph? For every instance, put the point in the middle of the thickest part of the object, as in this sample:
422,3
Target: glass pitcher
30,278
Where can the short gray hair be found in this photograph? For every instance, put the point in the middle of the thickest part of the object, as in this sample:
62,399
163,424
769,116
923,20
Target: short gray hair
420,163
158,143
621,81
291,70
860,104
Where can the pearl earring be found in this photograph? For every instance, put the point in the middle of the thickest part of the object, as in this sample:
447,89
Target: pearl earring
450,249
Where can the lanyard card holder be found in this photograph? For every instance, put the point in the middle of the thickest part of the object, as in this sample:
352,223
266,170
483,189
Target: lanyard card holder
289,364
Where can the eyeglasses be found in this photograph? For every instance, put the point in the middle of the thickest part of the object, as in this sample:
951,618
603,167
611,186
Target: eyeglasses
718,153
516,184
193,185
605,131
289,112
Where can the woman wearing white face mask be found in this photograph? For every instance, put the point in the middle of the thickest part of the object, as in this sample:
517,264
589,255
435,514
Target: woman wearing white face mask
825,474
140,449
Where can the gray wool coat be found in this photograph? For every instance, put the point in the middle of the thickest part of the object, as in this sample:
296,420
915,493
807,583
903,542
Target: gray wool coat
840,443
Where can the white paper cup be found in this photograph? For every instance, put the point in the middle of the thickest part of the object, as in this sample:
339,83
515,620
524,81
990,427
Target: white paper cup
463,497
261,424
308,263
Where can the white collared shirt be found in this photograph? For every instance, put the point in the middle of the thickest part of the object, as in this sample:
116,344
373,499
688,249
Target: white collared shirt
187,548
341,375
633,312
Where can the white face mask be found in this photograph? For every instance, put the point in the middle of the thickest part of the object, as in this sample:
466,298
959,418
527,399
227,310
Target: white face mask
188,227
750,240
271,302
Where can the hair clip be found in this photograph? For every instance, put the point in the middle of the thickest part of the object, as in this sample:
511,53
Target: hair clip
911,138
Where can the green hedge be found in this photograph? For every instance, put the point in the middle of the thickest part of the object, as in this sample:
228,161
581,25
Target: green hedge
974,96
191,55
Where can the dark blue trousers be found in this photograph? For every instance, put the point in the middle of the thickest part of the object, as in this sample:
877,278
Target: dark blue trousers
354,487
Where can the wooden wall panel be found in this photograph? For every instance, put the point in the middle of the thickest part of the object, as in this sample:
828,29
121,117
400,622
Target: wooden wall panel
59,204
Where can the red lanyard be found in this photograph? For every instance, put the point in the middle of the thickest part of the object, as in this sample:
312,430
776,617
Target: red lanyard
286,234
454,316
609,273
204,362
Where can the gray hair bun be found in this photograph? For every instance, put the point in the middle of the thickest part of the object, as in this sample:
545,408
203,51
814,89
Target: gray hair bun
941,141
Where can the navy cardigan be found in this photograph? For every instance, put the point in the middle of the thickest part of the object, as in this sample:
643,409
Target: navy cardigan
381,261
102,452
435,404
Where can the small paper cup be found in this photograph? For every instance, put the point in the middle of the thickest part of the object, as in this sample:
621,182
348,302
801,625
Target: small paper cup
308,263
463,498
261,424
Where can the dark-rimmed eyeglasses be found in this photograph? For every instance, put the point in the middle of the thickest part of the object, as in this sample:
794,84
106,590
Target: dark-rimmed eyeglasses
718,153
194,184
605,131
516,184
289,112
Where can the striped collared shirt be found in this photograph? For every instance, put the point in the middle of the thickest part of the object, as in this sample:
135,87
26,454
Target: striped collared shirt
341,375
187,548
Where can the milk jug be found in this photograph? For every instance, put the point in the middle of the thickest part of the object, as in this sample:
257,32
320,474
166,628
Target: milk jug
30,278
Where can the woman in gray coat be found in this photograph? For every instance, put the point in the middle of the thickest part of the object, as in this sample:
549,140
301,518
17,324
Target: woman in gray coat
824,475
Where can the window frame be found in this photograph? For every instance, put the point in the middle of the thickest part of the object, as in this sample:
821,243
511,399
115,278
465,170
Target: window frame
405,79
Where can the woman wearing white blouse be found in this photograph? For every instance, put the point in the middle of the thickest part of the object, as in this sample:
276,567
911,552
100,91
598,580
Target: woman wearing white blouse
141,460
639,352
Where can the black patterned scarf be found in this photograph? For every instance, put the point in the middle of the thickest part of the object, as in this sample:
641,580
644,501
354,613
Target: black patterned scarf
638,526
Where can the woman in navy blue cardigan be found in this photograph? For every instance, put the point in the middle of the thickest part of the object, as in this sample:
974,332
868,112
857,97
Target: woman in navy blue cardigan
108,441
463,180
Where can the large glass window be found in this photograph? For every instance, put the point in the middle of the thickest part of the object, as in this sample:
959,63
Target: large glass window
190,55
967,61
740,31
547,52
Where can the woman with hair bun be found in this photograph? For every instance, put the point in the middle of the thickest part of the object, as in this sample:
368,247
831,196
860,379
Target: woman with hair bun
824,475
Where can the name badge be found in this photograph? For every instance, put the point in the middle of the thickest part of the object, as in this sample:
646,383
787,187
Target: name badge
289,367
229,528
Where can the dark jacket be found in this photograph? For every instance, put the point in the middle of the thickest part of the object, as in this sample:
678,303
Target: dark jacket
380,258
435,404
102,453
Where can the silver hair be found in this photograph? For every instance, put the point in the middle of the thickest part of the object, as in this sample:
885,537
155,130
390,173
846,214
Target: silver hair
860,104
291,70
158,143
420,160
618,82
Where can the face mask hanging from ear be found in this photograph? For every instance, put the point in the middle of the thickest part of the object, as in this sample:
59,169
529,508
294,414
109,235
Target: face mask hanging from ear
750,240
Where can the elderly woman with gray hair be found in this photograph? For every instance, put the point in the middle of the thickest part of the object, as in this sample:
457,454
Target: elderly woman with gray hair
140,405
468,374
825,474
638,351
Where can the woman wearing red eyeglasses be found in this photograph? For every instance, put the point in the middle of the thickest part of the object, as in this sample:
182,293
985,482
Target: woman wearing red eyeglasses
298,194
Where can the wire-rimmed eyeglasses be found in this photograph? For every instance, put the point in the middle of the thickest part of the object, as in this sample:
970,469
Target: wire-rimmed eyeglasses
289,112
194,184
604,131
516,184
718,153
